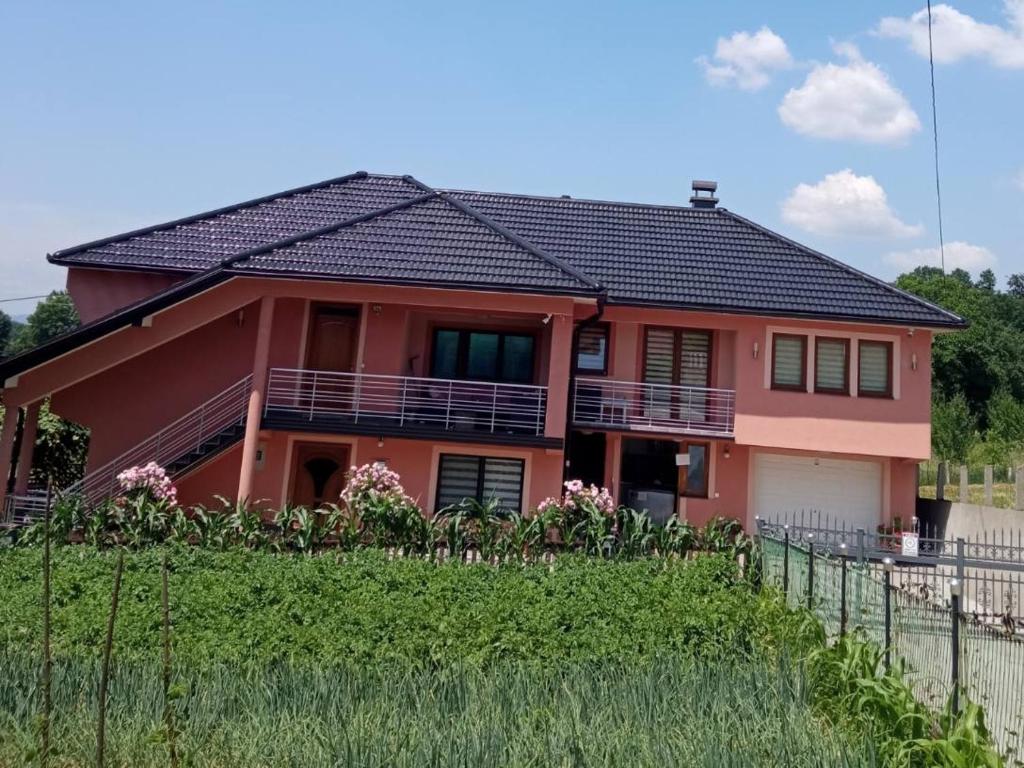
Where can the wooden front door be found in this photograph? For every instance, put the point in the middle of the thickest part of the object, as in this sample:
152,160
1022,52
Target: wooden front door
318,473
333,338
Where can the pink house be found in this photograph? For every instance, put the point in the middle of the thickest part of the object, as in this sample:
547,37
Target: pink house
485,345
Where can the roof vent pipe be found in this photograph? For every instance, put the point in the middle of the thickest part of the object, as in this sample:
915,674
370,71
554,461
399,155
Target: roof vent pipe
704,194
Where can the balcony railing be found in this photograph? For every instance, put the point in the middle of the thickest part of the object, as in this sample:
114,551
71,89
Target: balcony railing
638,407
405,401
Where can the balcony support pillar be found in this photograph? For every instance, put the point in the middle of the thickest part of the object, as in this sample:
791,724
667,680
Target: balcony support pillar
7,431
28,444
261,358
559,369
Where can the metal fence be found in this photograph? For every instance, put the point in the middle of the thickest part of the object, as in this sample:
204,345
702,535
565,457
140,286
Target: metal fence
907,603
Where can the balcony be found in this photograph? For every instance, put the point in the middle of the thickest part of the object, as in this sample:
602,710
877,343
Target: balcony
632,406
405,406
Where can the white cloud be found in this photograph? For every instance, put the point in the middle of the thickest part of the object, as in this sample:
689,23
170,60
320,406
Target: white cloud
746,60
854,101
844,203
959,255
957,36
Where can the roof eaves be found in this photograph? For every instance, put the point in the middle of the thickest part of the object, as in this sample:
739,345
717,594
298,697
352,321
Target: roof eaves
954,320
508,234
59,257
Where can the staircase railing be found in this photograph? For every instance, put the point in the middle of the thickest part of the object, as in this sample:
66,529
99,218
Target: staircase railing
178,439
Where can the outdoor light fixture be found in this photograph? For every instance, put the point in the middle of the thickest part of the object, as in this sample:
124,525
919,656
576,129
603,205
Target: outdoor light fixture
757,348
380,441
955,587
547,318
842,548
913,361
726,452
888,563
376,309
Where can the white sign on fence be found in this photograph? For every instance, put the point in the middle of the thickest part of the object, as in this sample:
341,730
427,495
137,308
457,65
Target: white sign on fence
909,542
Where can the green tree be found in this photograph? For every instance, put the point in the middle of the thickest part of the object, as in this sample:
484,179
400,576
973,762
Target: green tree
987,281
1015,284
6,328
54,315
953,429
1006,425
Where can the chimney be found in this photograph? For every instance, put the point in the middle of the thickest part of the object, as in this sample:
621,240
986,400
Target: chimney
704,194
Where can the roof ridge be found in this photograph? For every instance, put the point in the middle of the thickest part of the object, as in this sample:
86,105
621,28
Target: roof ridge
569,199
56,256
325,230
845,267
511,236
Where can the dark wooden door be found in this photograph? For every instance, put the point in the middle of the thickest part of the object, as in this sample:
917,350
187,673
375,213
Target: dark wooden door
333,338
318,474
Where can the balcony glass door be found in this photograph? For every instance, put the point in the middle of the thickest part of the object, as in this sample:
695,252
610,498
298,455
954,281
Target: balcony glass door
677,357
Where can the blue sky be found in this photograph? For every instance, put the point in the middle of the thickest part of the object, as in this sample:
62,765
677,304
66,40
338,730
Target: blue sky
816,122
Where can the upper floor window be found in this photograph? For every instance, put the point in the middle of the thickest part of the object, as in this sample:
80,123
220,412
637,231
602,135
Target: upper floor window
482,355
874,377
789,361
831,365
592,349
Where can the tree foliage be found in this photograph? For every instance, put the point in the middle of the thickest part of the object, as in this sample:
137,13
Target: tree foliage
977,373
54,315
6,329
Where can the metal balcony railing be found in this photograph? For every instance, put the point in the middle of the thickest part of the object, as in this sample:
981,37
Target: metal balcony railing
406,401
639,407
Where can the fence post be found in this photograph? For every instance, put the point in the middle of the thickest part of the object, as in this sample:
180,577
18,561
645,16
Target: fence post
785,562
940,481
1018,473
988,485
955,587
887,564
842,589
861,547
810,571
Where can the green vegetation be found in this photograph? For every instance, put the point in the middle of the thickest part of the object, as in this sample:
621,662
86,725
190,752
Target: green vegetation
978,374
663,714
254,607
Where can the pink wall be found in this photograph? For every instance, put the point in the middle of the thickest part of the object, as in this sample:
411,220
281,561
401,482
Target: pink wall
797,420
98,292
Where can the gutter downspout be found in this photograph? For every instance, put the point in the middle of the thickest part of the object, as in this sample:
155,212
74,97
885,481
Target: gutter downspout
586,322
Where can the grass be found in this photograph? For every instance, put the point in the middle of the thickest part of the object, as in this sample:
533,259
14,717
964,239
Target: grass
668,712
1003,494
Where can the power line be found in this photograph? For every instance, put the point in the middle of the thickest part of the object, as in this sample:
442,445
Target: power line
935,136
24,298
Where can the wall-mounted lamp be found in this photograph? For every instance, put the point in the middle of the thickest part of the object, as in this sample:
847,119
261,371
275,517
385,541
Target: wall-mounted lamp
547,318
913,361
376,309
726,453
240,318
757,348
380,441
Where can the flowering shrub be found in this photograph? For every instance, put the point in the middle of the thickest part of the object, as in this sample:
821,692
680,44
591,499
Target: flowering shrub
373,484
150,481
579,501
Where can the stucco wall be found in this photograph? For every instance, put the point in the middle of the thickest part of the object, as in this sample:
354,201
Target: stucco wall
98,292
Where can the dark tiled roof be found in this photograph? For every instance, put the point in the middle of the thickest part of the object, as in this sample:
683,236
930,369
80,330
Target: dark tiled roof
698,257
395,229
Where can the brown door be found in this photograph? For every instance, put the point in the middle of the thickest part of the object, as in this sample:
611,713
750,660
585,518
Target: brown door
333,337
318,474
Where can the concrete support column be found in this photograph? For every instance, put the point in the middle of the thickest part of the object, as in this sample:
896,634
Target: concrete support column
559,367
28,444
7,431
1019,500
965,488
261,357
988,484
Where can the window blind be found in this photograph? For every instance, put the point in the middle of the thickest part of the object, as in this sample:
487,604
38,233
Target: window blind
788,361
874,368
592,348
481,478
830,373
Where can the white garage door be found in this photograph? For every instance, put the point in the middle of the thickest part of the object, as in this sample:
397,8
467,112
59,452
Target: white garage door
847,492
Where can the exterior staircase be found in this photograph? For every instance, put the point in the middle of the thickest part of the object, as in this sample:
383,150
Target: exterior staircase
180,447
